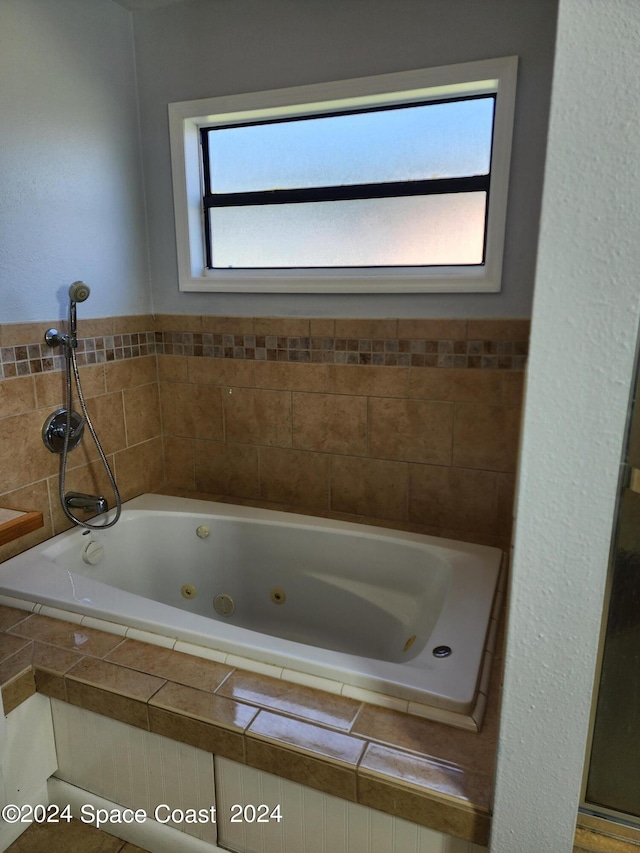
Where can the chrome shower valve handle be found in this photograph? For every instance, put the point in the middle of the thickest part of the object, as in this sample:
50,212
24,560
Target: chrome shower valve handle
55,427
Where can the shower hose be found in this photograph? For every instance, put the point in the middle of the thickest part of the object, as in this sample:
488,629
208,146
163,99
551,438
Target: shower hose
71,365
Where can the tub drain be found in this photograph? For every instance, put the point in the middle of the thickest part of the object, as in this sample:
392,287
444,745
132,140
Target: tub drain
442,651
223,605
278,596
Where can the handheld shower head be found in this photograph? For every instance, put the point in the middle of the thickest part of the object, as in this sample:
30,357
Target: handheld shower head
79,291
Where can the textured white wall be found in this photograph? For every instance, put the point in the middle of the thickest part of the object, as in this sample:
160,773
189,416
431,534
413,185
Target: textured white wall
585,321
205,48
71,204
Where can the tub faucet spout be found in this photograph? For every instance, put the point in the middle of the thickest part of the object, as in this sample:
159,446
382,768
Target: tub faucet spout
79,500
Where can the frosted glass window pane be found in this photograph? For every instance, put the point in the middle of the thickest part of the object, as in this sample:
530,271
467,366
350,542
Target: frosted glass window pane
440,140
414,231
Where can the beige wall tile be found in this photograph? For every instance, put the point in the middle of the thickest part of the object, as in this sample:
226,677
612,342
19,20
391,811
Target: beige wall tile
230,469
430,329
331,423
130,372
456,384
107,415
221,371
506,496
508,329
24,457
16,334
17,395
257,416
513,388
366,328
288,327
92,380
94,327
227,325
294,477
142,413
290,376
172,368
132,324
179,462
485,437
322,327
410,430
371,487
178,323
139,469
191,411
373,381
51,389
457,498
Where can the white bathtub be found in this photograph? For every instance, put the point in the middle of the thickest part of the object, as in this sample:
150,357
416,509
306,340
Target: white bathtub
362,606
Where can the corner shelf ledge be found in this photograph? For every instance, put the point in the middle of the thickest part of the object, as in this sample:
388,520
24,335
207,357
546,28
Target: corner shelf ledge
16,522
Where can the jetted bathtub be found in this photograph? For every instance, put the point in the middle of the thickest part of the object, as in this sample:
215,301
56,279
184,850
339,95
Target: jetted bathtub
397,614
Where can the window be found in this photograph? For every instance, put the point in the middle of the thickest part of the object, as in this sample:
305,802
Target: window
395,183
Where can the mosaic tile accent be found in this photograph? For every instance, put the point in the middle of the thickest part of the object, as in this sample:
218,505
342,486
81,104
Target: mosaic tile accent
40,358
404,352
504,355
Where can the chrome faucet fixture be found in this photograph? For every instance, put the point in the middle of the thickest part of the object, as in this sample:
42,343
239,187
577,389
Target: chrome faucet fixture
63,430
90,503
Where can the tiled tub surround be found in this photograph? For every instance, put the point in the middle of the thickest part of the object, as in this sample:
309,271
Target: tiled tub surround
429,448
421,771
122,399
404,443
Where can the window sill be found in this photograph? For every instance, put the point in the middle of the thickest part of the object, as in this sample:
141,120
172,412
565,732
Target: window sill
342,281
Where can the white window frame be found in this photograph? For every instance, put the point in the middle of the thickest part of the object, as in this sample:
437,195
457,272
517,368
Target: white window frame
471,78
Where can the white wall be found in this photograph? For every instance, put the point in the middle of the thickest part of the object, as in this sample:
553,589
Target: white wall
71,204
206,48
585,321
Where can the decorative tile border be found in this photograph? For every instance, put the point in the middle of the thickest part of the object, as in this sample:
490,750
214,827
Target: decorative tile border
32,358
503,355
40,358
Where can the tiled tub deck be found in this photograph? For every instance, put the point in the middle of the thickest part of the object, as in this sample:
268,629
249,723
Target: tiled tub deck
406,766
